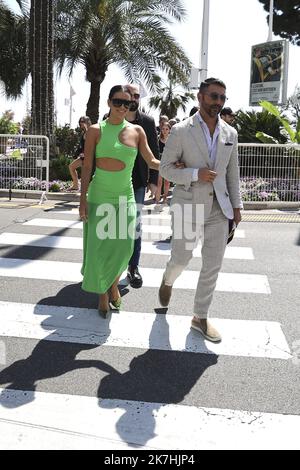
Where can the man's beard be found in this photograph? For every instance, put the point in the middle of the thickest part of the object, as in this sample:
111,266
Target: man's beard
134,106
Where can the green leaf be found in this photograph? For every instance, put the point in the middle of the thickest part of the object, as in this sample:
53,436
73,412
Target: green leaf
288,128
265,138
270,107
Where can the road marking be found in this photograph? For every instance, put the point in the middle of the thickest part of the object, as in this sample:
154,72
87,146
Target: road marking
47,241
57,223
65,271
75,243
247,338
162,248
57,421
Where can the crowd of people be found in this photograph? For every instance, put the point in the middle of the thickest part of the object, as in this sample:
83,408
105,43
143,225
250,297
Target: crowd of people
130,154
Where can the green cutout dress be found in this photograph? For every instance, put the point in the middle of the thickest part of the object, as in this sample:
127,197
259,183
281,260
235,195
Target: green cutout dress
108,235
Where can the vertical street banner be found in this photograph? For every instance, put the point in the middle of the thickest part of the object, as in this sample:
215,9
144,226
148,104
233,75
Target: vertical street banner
269,71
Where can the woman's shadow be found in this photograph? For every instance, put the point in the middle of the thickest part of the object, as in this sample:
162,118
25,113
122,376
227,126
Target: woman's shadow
55,355
153,380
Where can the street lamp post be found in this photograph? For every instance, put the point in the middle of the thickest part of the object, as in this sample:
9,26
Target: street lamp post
204,41
271,14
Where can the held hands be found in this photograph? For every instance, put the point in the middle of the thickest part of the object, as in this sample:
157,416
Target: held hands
179,165
206,175
83,211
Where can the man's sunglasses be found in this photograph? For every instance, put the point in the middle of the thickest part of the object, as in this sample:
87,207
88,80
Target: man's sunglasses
118,102
215,96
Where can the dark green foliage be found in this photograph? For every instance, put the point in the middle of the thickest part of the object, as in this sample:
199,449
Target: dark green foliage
249,123
286,20
13,66
67,140
59,168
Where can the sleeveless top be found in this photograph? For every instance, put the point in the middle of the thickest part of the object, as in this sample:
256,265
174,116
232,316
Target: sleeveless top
118,182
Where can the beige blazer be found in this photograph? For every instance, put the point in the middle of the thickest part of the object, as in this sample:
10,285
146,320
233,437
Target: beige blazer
187,144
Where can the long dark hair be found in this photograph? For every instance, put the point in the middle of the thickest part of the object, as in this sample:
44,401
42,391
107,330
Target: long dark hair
115,89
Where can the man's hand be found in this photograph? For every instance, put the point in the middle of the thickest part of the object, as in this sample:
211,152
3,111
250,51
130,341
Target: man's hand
206,175
237,216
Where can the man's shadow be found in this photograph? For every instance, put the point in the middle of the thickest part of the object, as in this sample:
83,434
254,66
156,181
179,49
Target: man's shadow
154,379
67,337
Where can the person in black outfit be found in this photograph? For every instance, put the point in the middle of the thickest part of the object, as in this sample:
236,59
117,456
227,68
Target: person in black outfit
141,177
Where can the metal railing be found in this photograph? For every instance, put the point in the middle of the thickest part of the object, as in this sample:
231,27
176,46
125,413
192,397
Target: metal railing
24,162
270,172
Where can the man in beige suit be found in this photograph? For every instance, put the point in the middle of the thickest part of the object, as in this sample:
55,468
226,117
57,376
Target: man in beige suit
210,181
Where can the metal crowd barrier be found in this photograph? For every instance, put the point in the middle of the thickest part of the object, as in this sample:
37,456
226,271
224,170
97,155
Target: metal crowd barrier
24,162
270,172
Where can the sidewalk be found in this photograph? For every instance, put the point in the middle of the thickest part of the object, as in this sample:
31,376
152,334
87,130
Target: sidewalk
261,212
74,197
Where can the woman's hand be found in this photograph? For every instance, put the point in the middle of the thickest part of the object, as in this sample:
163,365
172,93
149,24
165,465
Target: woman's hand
83,211
179,165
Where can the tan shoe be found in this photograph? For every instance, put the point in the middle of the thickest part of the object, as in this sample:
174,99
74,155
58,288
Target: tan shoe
206,329
164,294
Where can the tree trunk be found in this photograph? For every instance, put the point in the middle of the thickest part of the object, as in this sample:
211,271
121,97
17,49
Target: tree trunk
41,51
92,109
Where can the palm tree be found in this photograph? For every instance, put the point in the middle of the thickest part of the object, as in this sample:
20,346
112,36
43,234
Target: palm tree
41,54
293,135
37,57
131,34
13,72
249,123
169,99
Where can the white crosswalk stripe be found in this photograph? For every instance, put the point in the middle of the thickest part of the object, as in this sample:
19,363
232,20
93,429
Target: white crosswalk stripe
59,420
75,243
73,224
64,271
72,422
168,333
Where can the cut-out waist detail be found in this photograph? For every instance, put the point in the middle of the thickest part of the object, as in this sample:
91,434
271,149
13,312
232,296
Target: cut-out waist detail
110,164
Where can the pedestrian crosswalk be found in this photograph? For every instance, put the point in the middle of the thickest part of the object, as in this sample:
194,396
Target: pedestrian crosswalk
140,379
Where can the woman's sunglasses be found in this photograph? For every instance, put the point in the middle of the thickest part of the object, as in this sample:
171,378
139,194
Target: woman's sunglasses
118,102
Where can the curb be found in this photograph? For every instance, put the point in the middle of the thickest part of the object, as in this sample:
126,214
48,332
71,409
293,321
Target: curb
75,197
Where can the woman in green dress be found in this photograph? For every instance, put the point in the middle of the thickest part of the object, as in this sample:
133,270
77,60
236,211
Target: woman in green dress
107,204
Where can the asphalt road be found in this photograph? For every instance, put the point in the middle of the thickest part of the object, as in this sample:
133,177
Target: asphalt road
250,382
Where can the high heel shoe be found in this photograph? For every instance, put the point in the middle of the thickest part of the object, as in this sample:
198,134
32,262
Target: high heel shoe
103,309
115,303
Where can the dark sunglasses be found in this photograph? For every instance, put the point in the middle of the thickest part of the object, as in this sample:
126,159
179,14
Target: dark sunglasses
215,96
81,122
118,102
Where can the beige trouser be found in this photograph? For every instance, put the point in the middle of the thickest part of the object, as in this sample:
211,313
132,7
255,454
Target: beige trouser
214,239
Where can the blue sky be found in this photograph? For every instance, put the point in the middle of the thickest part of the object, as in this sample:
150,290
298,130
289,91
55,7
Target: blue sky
235,26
